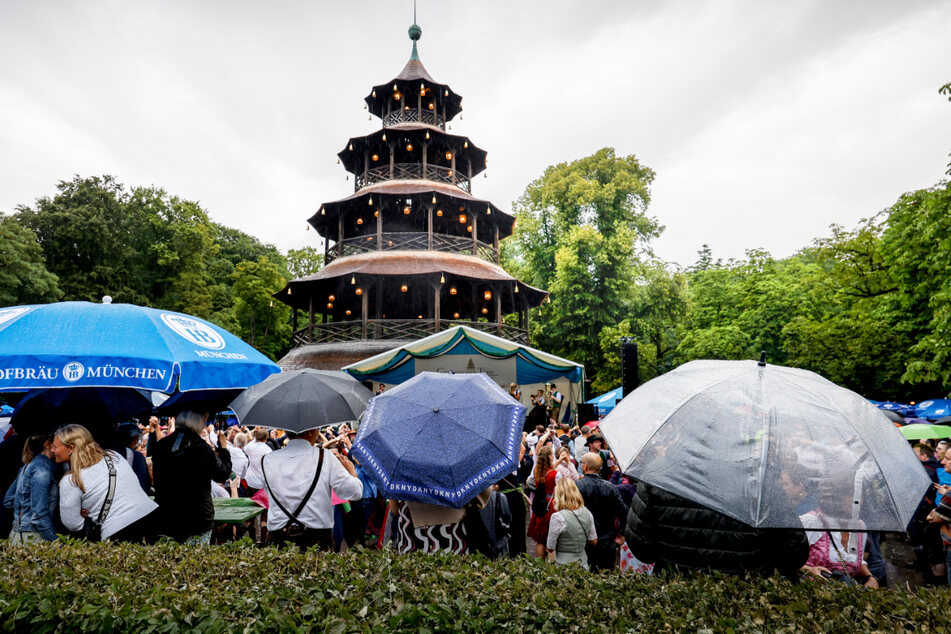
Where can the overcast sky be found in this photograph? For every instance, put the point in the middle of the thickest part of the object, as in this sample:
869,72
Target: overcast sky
765,121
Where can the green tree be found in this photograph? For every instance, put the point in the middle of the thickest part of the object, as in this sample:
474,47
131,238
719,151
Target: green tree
23,275
258,318
304,261
917,250
581,232
88,236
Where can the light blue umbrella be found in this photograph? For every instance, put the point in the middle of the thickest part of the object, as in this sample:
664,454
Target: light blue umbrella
81,344
607,401
933,409
440,438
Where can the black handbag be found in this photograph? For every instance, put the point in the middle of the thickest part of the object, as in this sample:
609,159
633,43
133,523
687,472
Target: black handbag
92,529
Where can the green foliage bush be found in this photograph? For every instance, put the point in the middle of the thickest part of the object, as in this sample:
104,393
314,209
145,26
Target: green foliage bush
114,587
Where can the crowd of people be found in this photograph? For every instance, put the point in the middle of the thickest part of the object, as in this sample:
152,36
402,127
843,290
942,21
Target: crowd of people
567,501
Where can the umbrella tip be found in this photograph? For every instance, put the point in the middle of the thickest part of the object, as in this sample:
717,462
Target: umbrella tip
435,409
106,299
762,359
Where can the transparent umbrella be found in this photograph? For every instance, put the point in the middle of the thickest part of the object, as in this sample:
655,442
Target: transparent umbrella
761,443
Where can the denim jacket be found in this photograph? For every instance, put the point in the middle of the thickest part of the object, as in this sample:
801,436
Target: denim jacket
37,497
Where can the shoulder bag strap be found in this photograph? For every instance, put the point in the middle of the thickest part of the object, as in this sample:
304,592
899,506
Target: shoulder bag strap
107,504
292,517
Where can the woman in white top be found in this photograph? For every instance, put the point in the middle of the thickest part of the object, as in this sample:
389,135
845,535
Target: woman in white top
571,526
83,490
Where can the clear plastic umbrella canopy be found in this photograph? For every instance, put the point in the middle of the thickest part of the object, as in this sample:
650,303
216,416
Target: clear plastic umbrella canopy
765,444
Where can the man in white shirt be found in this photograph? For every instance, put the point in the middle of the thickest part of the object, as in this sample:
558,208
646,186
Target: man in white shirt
256,450
300,509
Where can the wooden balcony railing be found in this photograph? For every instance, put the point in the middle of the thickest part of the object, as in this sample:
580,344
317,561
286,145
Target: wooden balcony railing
340,331
412,171
413,115
411,241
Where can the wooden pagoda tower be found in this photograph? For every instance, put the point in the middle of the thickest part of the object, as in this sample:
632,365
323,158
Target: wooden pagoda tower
413,250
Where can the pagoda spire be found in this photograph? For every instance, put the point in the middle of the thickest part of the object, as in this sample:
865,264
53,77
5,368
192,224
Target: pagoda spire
414,34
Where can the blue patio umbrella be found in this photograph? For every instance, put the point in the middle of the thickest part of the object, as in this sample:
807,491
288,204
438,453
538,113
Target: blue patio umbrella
607,401
81,344
6,410
933,409
892,406
440,438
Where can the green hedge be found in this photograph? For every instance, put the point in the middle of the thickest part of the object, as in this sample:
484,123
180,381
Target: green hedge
112,587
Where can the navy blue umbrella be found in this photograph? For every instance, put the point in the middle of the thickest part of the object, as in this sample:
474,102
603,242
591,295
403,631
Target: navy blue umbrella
440,438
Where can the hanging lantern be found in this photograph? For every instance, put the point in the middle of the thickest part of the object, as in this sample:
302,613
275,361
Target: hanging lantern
373,94
516,288
338,160
488,211
331,298
462,219
465,144
330,305
394,86
406,108
370,202
359,221
548,299
369,238
353,280
419,316
427,135
434,199
376,214
469,228
406,210
404,288
431,106
452,290
409,147
384,137
375,157
485,311
439,212
351,147
448,156
347,313
442,278
487,295
389,243
446,93
450,172
288,290
455,315
359,291
397,96
308,227
271,303
322,212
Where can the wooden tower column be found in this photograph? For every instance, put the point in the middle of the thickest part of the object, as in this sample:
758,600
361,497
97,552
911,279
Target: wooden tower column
436,306
475,233
429,226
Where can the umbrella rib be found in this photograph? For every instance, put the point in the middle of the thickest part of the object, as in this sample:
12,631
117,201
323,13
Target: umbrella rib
676,409
855,432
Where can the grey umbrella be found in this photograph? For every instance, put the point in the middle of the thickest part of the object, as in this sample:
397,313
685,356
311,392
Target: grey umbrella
730,434
893,416
299,400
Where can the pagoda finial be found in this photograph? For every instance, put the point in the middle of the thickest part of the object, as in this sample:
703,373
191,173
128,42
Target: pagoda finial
414,34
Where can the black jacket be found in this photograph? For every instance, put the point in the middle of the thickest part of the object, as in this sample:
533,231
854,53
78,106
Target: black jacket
664,528
183,467
605,503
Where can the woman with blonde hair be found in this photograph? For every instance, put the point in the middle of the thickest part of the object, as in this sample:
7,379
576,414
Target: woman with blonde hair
84,490
571,526
544,475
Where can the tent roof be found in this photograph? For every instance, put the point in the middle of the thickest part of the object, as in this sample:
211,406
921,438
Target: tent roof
442,342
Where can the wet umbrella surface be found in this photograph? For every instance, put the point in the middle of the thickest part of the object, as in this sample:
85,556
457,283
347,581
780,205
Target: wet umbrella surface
730,434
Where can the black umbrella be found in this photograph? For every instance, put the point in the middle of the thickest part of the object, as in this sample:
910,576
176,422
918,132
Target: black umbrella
299,400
